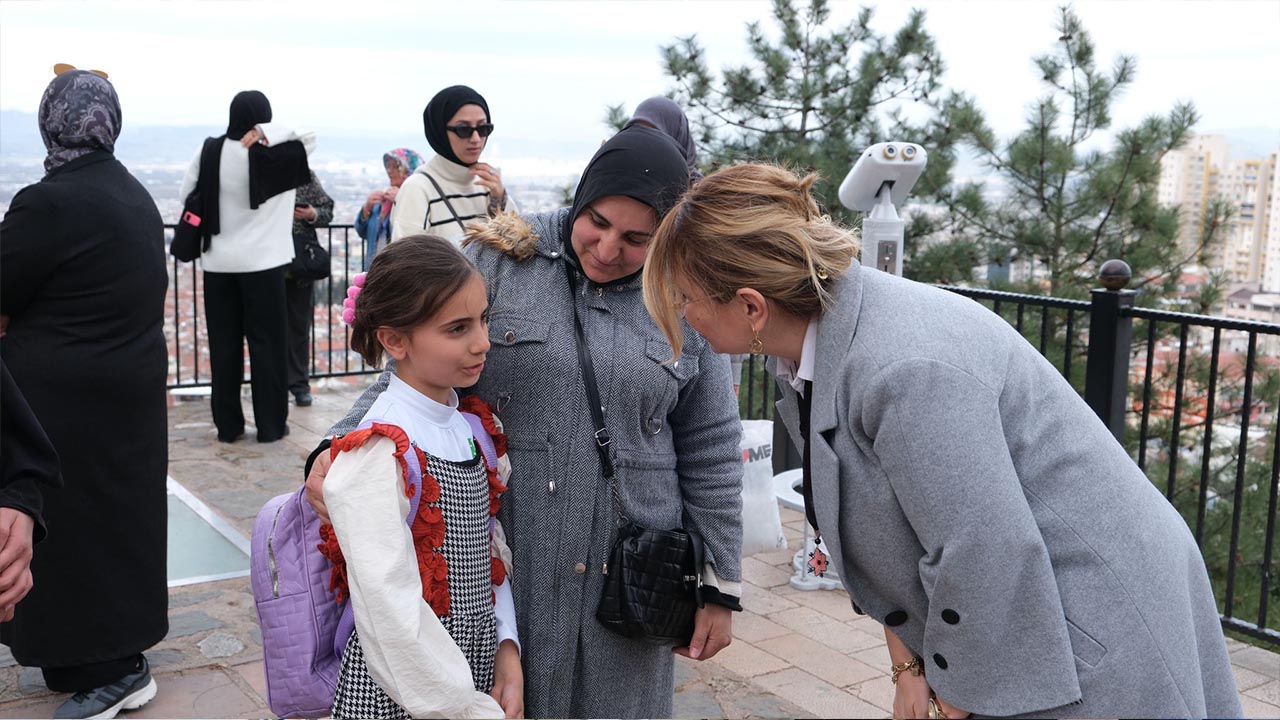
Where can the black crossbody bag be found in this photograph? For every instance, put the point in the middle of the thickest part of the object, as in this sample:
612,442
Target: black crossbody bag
653,580
190,240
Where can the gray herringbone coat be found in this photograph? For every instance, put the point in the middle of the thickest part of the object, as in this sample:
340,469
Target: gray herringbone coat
973,502
675,432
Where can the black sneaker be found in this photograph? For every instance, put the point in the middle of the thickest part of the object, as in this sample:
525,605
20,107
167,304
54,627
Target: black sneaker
128,693
302,399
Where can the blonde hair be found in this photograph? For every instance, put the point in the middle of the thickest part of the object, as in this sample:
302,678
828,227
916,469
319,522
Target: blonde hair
747,226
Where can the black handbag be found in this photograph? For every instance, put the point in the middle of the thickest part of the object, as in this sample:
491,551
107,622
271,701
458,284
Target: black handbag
189,239
653,579
310,259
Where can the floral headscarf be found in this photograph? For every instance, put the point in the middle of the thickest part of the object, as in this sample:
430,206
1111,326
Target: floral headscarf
407,159
79,114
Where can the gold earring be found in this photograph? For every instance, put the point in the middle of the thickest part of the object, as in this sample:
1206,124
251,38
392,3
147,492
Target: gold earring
757,345
822,273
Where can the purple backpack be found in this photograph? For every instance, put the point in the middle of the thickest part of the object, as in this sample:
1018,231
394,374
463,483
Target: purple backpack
303,630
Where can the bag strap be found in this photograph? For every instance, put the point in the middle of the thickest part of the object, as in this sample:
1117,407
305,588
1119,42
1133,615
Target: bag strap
446,201
593,395
210,156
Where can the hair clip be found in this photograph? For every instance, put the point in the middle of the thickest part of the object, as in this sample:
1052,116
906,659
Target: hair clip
821,272
349,302
61,68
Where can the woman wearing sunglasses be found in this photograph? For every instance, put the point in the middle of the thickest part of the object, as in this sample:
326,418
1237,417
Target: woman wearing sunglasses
453,189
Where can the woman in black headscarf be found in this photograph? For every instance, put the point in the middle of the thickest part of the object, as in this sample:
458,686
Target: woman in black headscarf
453,189
674,429
248,197
82,283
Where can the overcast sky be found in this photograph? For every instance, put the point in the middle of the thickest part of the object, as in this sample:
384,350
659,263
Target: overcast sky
549,68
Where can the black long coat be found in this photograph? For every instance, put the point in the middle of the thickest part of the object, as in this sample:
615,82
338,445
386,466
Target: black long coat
83,280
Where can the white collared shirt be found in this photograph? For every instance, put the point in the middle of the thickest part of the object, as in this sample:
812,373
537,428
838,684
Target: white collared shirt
797,373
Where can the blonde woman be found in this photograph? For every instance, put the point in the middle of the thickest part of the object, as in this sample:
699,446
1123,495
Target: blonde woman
1021,562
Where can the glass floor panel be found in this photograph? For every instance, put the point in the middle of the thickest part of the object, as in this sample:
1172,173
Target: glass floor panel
202,546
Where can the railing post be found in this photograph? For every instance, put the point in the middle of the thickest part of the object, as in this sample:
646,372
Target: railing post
1106,384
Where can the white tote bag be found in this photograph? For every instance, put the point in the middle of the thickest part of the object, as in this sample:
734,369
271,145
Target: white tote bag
761,526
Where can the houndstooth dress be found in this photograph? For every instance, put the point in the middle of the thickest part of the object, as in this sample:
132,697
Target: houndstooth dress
471,622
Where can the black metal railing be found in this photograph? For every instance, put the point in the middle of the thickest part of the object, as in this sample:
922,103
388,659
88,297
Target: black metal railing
1193,372
330,355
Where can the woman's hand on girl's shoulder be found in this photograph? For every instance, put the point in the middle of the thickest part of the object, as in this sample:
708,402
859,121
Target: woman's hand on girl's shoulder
315,486
508,680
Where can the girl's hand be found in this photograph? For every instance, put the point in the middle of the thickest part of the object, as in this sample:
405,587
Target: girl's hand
314,494
252,137
910,697
508,680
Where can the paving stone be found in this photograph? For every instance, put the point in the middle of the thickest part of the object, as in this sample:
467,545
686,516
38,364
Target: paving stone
818,659
876,657
190,623
762,601
1257,660
203,693
31,680
1245,678
1268,692
826,630
220,645
832,603
780,558
788,516
747,660
760,705
697,702
753,628
817,696
686,671
240,503
878,691
255,634
164,659
35,708
1255,708
6,657
763,574
255,676
179,598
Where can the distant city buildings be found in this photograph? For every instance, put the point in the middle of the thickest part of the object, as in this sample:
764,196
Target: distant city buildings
1249,249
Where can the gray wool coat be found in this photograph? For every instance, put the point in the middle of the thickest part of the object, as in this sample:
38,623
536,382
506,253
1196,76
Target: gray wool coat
976,505
675,431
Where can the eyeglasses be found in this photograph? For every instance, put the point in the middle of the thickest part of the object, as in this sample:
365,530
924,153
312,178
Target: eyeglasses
684,302
464,131
61,68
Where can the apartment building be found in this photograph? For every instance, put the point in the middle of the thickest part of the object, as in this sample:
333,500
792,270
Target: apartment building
1189,179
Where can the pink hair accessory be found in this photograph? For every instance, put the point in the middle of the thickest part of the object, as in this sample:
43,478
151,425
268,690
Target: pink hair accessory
349,302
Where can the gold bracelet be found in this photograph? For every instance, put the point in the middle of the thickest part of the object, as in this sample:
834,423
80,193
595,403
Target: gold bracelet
914,666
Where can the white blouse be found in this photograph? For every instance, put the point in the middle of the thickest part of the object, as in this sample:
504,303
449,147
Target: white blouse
408,651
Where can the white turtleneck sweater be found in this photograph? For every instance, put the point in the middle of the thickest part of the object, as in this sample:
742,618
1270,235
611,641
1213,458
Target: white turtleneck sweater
419,209
408,651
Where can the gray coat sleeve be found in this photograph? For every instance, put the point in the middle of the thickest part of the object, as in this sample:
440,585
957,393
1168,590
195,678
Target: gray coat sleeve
707,434
363,403
994,606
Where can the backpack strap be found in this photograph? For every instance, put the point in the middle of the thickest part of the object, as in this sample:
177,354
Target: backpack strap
413,477
482,438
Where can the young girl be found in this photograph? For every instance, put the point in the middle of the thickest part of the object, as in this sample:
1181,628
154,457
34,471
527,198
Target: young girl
434,620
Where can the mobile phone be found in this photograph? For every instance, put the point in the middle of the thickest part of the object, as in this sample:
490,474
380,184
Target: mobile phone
300,205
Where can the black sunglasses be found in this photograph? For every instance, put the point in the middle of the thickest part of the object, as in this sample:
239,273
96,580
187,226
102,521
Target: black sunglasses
464,131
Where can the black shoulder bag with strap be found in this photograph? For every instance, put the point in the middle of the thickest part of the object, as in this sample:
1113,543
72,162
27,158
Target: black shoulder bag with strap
653,580
190,240
447,204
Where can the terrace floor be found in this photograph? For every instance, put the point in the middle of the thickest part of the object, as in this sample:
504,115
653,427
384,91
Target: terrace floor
794,654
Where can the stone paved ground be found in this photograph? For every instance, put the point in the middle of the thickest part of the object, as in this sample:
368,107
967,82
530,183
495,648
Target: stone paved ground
795,654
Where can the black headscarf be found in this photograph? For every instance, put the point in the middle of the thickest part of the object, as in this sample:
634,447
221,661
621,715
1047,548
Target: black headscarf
248,109
640,163
79,114
665,115
444,106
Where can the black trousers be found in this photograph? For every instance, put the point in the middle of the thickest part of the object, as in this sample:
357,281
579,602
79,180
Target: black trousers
299,299
239,307
87,677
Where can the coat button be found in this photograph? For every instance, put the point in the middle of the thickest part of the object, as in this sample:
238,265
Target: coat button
509,337
951,617
940,661
580,568
895,618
